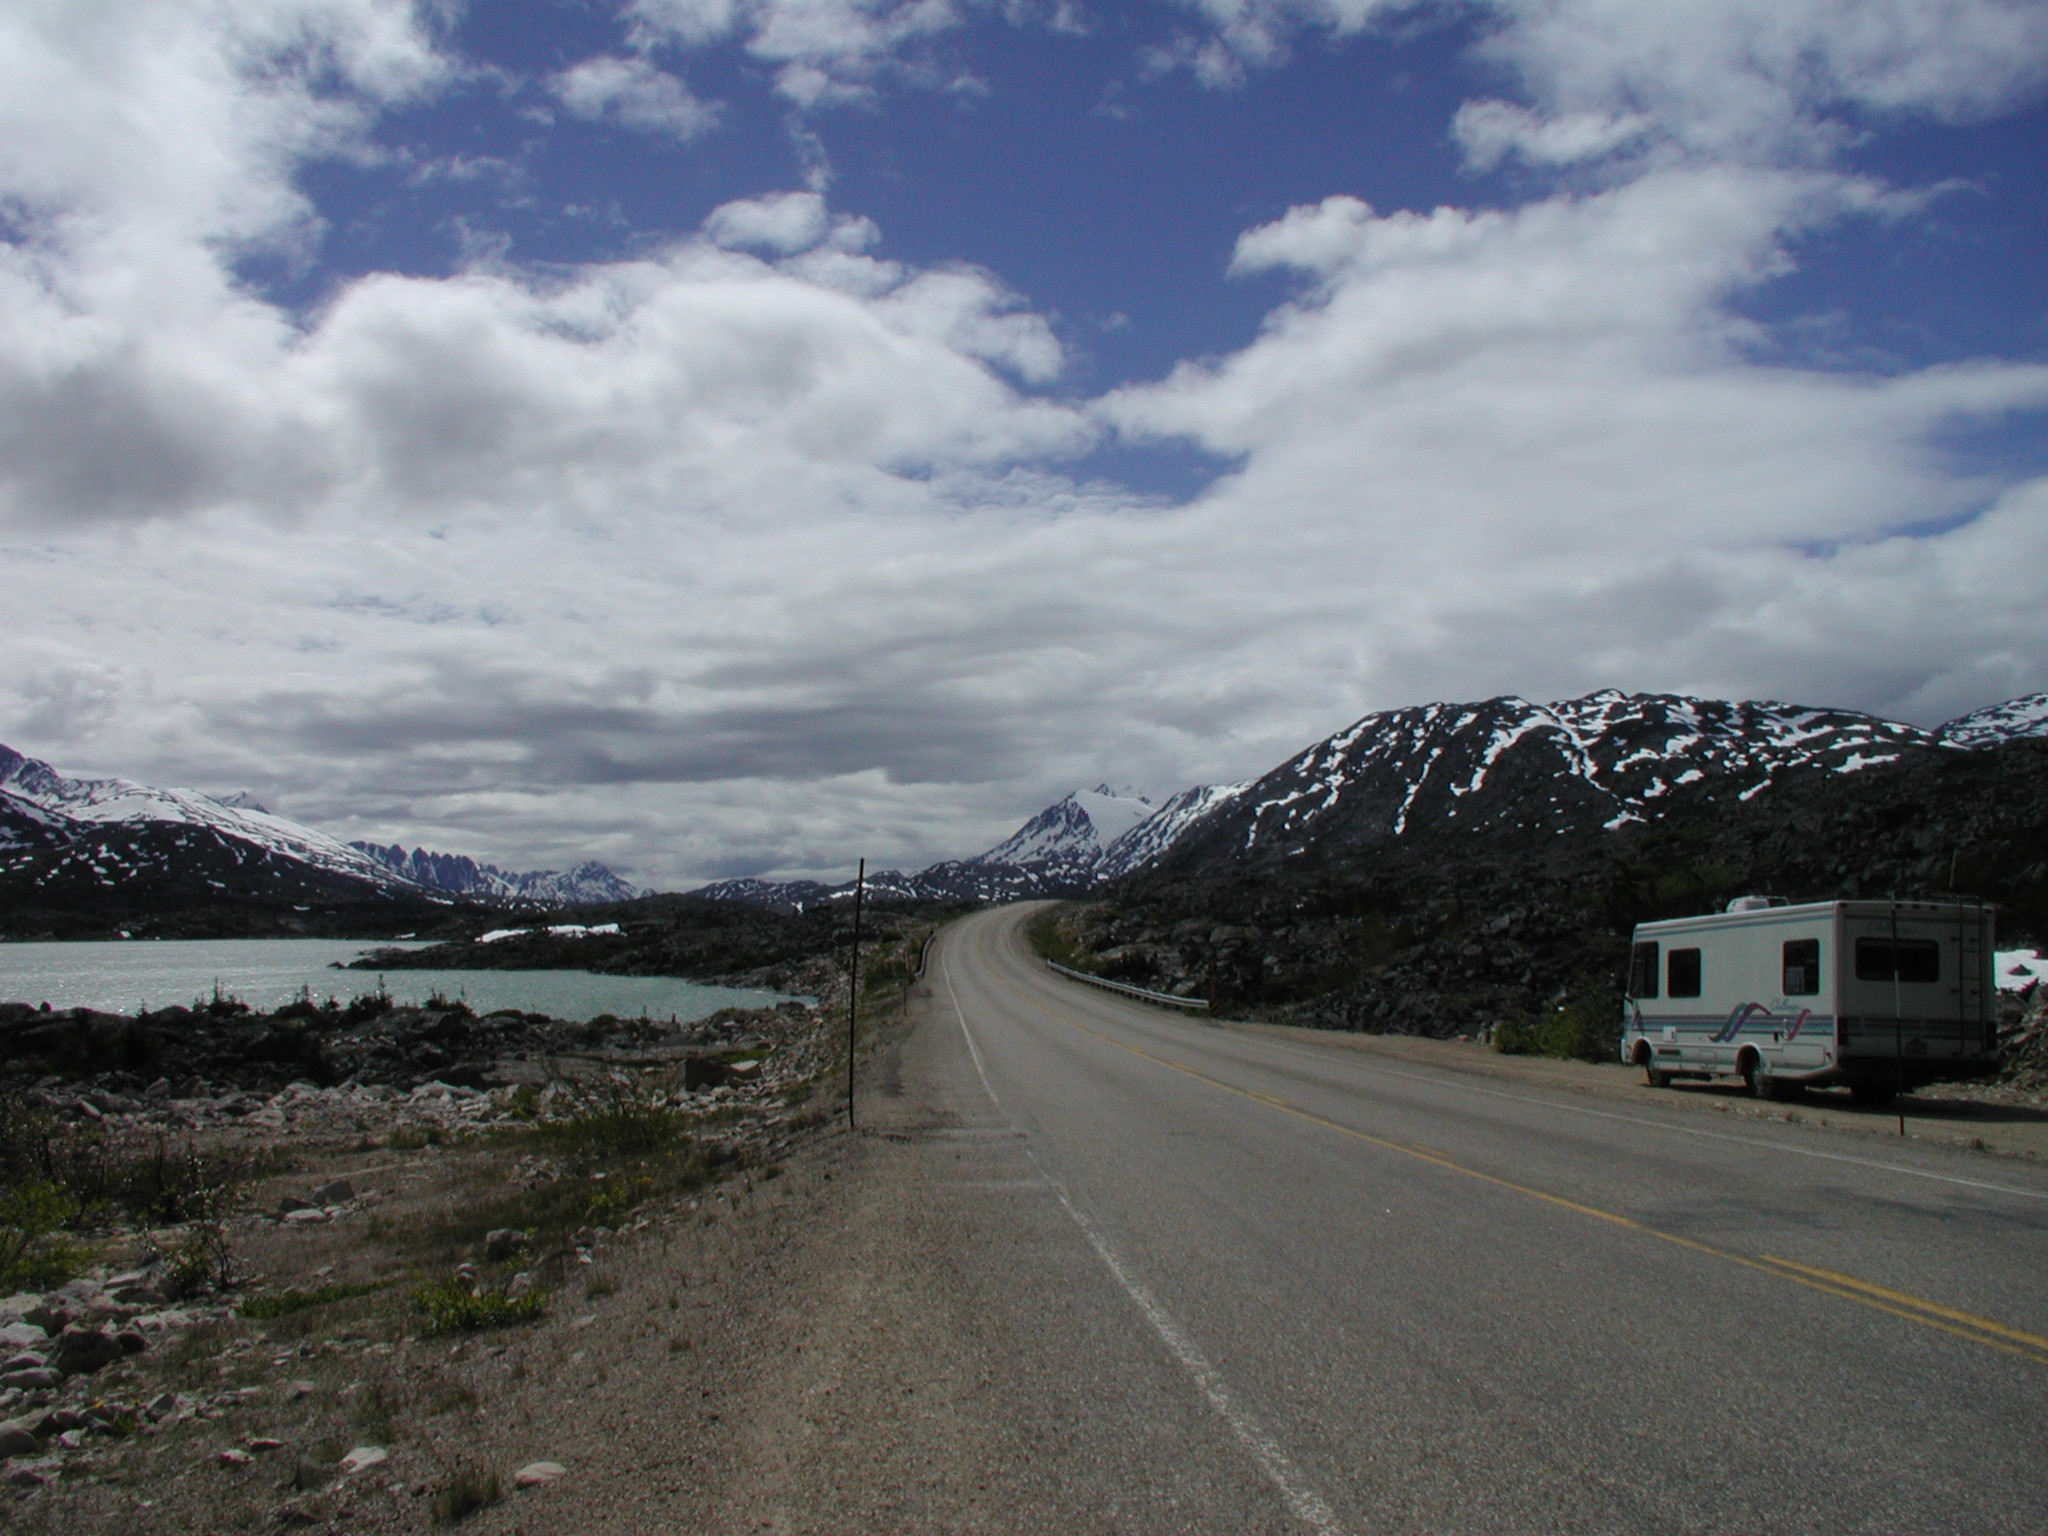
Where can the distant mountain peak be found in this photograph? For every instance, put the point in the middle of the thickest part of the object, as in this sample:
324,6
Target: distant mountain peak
456,874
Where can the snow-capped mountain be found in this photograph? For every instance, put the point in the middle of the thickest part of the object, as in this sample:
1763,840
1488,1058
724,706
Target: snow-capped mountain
1071,836
35,789
456,874
1508,764
60,834
1996,723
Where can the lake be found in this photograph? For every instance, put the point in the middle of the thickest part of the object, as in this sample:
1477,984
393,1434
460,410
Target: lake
120,977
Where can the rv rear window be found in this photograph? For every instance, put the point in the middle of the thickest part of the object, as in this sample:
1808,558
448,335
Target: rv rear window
1642,971
1898,959
1683,976
1802,967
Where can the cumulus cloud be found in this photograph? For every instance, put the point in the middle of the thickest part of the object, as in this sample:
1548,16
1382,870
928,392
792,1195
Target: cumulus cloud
634,94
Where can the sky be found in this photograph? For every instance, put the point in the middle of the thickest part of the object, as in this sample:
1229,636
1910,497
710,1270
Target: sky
732,437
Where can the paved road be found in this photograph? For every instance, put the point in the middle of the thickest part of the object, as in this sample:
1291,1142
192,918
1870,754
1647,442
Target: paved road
1183,1277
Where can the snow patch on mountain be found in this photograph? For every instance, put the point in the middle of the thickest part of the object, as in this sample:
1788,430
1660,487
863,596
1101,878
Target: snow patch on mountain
1997,723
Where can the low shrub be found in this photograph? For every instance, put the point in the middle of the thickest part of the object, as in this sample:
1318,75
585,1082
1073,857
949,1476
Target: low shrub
32,1254
1570,1032
451,1306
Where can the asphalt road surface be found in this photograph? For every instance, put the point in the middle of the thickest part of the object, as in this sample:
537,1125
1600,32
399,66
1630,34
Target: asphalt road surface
1155,1275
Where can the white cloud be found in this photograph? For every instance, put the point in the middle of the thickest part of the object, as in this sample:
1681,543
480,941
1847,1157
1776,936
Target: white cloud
829,51
783,222
634,94
1490,131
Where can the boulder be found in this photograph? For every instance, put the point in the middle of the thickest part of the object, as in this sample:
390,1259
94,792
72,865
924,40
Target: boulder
537,1474
37,1378
334,1192
131,1341
504,1243
704,1072
81,1351
16,1441
22,1336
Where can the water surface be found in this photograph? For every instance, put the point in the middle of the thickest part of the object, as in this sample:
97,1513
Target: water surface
124,976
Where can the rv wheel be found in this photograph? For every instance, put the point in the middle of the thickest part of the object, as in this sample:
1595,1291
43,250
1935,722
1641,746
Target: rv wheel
1758,1081
1653,1077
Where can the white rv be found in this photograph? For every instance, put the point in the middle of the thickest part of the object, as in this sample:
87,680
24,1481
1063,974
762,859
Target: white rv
1883,996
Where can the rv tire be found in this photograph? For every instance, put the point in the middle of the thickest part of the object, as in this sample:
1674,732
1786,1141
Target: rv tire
1759,1082
1653,1077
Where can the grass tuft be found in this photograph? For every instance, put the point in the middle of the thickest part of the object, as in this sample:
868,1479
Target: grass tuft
285,1303
469,1490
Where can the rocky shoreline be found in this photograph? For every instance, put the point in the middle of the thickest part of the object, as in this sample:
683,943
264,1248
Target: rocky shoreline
248,1221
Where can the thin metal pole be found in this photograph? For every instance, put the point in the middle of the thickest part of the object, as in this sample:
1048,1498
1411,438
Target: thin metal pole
860,884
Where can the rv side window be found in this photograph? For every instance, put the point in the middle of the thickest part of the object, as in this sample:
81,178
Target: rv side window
1642,971
1684,973
1898,959
1802,967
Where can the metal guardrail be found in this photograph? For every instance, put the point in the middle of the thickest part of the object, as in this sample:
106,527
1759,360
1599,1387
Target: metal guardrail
1117,986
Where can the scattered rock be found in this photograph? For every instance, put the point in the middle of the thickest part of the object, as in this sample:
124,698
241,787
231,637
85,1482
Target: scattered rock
362,1458
22,1336
264,1443
504,1243
131,1341
234,1456
306,1216
32,1379
16,1441
50,1316
294,1390
334,1192
536,1474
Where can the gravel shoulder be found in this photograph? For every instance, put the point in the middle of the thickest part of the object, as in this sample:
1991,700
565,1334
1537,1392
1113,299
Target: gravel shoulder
1995,1120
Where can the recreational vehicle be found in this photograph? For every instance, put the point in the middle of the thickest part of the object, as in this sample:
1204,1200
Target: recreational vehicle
1883,996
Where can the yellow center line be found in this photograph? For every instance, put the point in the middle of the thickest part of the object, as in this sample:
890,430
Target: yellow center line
1915,1309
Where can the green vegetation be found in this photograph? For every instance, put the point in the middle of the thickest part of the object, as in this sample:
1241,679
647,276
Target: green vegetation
1051,934
32,1254
451,1306
285,1303
1573,1031
58,1179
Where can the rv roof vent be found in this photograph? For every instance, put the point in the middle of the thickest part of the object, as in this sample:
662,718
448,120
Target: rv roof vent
1757,903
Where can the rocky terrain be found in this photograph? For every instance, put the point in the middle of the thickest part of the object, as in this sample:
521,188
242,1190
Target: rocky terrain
297,1269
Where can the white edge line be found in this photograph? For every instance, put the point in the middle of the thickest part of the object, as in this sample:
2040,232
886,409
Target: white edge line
1307,1506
